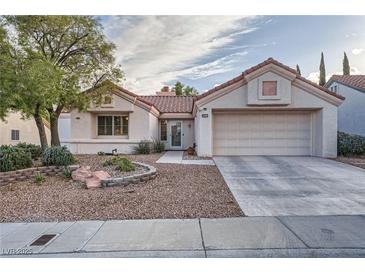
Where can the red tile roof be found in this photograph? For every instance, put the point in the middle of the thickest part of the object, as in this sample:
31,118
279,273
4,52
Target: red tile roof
355,81
184,104
266,62
171,104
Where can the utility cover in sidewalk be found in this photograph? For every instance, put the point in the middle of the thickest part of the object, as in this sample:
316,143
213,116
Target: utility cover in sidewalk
43,239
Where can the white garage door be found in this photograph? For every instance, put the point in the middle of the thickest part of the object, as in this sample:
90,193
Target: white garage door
262,133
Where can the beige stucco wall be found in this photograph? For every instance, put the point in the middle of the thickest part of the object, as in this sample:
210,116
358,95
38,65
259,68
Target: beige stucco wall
324,118
28,131
143,125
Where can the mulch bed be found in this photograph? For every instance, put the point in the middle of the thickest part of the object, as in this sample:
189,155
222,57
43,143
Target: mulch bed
178,191
358,161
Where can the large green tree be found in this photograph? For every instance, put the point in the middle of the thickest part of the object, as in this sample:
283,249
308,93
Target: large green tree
346,65
72,52
180,89
322,72
22,83
7,72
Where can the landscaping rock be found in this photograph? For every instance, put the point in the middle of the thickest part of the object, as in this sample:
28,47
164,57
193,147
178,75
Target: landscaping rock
179,191
81,174
96,179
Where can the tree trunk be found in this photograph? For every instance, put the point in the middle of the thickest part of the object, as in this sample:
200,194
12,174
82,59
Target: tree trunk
40,125
53,119
55,138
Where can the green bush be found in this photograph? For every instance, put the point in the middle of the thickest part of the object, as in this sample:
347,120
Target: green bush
350,144
112,161
34,150
67,172
38,178
123,163
126,165
13,158
144,147
57,156
158,146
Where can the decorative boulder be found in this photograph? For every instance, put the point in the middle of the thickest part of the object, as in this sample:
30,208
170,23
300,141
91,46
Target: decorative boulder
81,174
95,180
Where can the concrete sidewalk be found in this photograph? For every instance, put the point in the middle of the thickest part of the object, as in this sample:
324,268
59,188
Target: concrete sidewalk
290,236
176,157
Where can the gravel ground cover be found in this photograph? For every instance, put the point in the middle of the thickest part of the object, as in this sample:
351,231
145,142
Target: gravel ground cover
358,161
178,191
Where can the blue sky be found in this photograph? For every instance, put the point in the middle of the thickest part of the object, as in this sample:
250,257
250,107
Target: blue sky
204,51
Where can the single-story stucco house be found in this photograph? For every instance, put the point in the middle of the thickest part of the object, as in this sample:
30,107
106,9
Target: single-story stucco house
351,114
267,110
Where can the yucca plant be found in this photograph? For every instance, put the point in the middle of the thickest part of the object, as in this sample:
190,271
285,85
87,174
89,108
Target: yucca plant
38,178
143,147
158,146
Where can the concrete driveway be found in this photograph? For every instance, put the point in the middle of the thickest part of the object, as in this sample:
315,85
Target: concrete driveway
274,186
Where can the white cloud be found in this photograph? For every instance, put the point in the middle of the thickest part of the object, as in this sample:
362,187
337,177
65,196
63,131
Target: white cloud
357,51
156,49
314,76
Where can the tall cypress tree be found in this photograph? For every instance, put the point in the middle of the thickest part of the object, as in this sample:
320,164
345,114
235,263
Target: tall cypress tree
322,72
346,65
298,70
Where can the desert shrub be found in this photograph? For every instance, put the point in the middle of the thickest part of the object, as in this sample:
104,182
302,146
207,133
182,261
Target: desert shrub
111,161
101,153
158,146
126,165
34,150
143,147
123,163
67,172
13,158
57,156
38,178
350,144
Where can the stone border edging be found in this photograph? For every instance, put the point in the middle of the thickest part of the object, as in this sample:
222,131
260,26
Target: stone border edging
132,179
27,173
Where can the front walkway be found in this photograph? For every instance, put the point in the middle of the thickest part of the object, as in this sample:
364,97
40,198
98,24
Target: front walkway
291,236
176,157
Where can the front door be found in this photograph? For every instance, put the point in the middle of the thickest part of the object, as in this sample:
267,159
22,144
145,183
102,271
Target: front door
175,141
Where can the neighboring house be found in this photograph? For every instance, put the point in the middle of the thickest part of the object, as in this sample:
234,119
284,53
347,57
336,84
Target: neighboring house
351,114
15,129
267,110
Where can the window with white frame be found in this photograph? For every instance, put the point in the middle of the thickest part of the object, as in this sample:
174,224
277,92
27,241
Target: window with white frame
163,130
14,134
112,125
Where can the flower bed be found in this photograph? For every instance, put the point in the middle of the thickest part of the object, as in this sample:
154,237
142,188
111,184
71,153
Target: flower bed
148,173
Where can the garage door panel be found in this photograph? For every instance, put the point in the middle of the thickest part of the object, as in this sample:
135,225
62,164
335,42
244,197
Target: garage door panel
258,133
